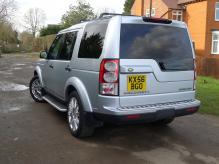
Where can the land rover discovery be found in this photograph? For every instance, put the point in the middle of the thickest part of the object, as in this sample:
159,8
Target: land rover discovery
118,69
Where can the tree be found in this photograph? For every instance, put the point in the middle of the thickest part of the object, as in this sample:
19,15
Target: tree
127,6
26,38
7,34
34,19
80,12
7,7
50,29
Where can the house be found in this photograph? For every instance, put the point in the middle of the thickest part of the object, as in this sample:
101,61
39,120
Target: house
202,18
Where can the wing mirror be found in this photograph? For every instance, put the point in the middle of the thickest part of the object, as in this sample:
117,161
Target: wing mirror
43,55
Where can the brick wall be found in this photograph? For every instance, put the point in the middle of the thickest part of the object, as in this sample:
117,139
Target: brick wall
210,62
196,16
159,5
137,8
211,25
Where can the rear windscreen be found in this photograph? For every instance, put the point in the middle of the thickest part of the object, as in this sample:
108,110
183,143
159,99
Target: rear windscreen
169,46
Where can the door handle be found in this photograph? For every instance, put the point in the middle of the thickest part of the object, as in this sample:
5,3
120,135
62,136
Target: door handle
51,66
68,69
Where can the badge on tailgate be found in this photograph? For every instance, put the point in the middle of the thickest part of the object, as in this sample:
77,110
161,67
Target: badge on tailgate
136,83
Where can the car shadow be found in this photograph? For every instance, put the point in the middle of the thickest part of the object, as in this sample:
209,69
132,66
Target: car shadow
137,137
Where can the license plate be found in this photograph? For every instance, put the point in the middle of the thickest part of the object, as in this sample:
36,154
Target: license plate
136,83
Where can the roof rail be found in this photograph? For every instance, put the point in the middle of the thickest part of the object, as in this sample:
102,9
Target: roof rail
112,14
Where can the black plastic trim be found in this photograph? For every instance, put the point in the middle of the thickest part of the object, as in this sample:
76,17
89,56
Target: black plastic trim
145,118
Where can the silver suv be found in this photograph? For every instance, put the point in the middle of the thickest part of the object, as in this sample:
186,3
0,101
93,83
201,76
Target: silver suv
118,69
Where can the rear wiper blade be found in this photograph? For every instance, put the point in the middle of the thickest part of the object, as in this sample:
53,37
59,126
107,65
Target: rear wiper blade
162,66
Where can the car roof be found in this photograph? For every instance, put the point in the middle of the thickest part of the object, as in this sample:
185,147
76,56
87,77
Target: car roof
124,18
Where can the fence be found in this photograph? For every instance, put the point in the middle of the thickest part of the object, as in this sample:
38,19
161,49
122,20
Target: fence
208,66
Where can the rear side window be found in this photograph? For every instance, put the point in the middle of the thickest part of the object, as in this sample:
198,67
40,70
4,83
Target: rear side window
169,46
93,40
68,46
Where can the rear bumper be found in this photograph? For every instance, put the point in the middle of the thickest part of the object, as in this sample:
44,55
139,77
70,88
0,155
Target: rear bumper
143,118
148,113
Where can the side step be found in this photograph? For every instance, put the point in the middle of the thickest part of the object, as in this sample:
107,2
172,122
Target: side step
55,103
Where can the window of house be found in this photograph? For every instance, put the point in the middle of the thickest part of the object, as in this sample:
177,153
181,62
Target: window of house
217,11
152,12
177,15
215,42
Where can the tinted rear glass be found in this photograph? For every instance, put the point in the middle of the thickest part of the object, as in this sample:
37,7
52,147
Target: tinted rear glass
169,46
93,40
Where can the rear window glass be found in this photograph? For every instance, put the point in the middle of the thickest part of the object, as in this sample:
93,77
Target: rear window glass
169,46
93,40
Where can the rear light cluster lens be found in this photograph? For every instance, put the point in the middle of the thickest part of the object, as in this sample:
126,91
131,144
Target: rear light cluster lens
109,77
111,66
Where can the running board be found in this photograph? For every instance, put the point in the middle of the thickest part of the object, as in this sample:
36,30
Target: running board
55,103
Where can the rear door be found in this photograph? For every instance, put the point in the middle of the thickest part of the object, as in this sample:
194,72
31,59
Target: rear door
62,65
155,59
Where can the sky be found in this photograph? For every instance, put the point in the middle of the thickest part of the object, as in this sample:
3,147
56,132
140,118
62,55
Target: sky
54,9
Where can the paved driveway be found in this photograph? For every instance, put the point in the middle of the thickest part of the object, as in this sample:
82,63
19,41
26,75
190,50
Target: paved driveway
37,133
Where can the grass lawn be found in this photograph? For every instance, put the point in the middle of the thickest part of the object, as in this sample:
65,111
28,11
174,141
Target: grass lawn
208,93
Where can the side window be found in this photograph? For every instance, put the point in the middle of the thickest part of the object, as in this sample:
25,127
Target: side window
152,12
217,11
215,42
93,40
177,15
68,47
56,47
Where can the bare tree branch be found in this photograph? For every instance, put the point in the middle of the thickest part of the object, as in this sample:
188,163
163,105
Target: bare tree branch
7,8
34,19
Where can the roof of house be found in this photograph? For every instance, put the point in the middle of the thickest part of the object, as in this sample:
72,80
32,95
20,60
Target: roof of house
175,3
171,3
188,1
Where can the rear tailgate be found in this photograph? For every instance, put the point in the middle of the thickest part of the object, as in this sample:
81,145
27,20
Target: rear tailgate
156,64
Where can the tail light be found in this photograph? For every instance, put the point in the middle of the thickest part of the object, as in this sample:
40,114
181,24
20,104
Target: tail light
109,77
195,75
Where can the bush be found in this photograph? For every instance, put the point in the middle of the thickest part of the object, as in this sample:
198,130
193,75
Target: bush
42,43
30,45
13,48
50,29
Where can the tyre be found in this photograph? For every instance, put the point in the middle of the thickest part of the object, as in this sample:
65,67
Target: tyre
164,121
35,88
78,124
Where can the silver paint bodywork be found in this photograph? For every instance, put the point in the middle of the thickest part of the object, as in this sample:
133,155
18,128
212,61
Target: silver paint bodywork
163,87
